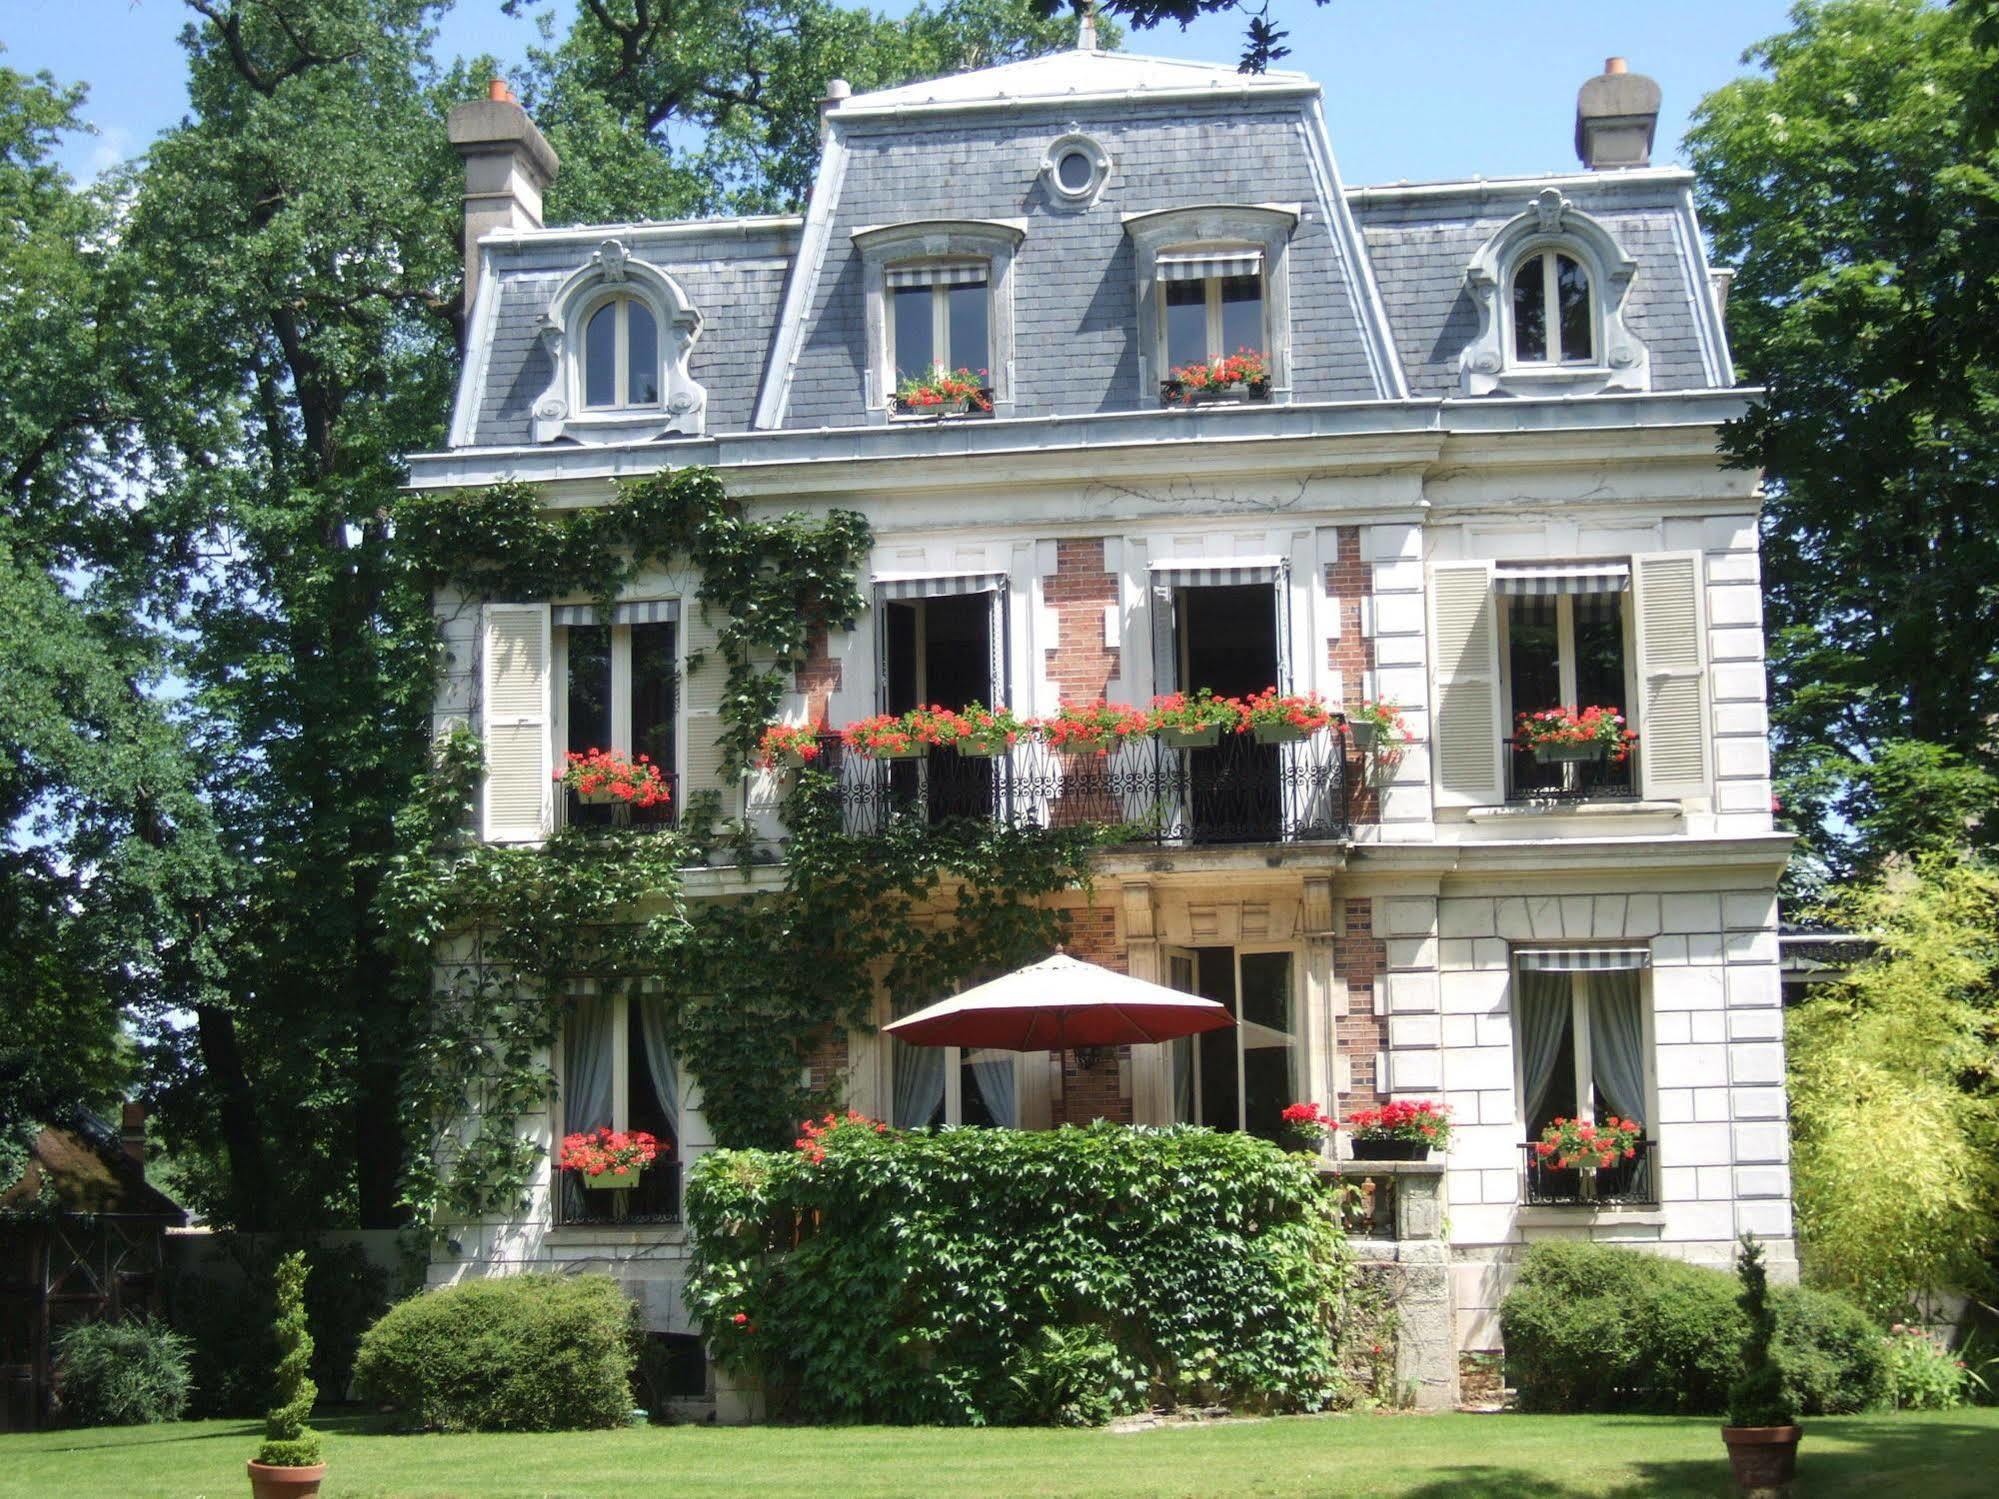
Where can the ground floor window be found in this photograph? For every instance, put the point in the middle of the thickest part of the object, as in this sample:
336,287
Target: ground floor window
619,1073
1584,1051
1240,1078
953,1085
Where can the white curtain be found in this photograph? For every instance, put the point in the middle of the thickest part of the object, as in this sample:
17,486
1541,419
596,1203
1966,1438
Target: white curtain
993,1071
919,1083
1617,1041
586,1066
1182,1055
1541,1001
659,1060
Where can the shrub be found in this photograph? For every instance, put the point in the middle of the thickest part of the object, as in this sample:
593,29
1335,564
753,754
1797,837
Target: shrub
517,1353
1001,1276
288,1441
1922,1374
1589,1327
121,1373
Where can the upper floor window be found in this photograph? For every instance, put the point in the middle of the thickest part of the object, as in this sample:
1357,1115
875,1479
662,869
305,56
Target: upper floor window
941,318
1211,305
1076,167
1554,316
621,355
1213,283
939,298
619,687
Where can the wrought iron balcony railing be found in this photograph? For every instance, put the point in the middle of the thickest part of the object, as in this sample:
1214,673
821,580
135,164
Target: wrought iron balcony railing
1632,1183
1530,779
655,1199
570,812
1236,791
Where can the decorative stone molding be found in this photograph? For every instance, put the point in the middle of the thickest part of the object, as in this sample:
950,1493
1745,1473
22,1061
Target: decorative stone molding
1074,142
1263,226
994,241
559,411
1552,222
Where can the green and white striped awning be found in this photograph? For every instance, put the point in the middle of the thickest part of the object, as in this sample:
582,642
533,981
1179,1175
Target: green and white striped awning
896,587
1581,959
1564,577
1198,265
937,273
634,612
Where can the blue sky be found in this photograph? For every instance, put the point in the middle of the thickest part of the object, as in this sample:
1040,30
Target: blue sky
1417,90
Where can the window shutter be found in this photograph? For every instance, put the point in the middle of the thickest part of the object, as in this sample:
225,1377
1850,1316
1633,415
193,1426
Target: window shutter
1165,639
516,712
701,759
1672,711
1464,718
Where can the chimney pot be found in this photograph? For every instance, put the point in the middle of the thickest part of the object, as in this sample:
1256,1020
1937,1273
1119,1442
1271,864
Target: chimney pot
1617,113
508,166
499,93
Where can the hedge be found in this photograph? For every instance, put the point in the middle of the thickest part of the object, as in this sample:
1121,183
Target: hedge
991,1276
1589,1327
515,1353
120,1373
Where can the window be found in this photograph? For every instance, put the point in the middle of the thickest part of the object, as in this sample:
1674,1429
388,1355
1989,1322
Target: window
1212,281
620,691
1074,171
940,640
618,1073
938,292
939,318
1206,316
1076,168
621,355
1565,649
932,1085
1583,1051
1241,1078
1554,318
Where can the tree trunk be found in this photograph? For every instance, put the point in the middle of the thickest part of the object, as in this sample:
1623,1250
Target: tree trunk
236,1110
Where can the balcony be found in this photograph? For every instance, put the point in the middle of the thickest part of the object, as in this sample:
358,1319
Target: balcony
1632,1183
1235,792
1602,780
656,1199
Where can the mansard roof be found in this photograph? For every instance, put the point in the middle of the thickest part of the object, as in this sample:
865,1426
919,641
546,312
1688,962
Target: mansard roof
1078,75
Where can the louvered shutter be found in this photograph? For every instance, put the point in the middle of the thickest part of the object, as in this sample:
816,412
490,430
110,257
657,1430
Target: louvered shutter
517,794
1465,731
1672,714
1165,638
701,760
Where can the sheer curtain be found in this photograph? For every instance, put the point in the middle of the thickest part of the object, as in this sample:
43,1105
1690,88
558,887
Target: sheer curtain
1617,1041
1542,1000
586,1066
919,1083
1182,1054
993,1071
659,1061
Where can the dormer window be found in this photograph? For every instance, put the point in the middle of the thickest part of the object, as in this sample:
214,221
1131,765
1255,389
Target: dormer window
1554,316
942,317
1213,283
939,298
1211,305
620,356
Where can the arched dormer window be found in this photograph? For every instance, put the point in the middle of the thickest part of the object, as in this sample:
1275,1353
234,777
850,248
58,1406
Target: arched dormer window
1550,287
938,294
618,333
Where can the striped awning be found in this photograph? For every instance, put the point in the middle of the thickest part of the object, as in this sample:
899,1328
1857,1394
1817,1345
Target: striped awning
1564,577
891,587
1581,959
636,612
1198,265
938,273
1215,572
586,986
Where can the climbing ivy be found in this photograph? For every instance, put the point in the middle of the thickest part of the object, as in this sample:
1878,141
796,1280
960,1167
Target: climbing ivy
750,980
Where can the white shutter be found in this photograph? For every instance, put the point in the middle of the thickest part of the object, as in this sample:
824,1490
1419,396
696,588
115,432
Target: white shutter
1464,711
519,775
702,689
1672,709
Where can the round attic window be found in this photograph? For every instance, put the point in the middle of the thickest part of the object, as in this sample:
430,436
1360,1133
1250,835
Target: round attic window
1074,171
1076,167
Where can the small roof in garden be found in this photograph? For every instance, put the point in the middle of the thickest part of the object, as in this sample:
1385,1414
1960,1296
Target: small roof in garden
85,1170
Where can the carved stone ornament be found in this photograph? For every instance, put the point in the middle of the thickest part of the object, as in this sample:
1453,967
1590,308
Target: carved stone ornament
559,412
1549,207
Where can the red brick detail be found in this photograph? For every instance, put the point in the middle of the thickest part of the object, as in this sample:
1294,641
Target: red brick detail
1359,957
826,1061
1094,1094
1081,666
819,678
1349,579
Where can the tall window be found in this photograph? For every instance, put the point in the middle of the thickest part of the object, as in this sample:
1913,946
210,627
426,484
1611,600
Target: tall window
618,1073
620,692
933,1085
1565,650
1240,1078
621,355
1553,321
1207,317
939,316
1580,1039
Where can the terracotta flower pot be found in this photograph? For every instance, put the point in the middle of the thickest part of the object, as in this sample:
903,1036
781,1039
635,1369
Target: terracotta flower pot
267,1482
1764,1458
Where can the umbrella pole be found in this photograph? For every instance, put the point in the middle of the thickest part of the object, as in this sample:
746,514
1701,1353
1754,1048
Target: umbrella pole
1062,1071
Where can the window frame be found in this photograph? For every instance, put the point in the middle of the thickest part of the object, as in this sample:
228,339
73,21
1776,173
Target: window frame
940,324
1583,1060
559,410
1075,143
1266,227
1300,997
623,299
674,1154
880,246
621,701
1565,655
1551,253
1212,296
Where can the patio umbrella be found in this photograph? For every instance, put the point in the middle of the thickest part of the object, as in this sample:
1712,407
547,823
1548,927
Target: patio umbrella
1061,1004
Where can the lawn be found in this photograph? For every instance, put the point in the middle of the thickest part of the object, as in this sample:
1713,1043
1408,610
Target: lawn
1939,1456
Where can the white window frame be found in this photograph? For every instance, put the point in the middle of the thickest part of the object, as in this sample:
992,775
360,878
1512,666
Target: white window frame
940,328
1585,1072
623,301
1549,253
1212,287
879,246
1565,655
613,271
1234,1033
621,698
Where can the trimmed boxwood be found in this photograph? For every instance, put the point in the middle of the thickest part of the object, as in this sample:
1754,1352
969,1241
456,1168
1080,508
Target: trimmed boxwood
992,1276
1589,1327
515,1353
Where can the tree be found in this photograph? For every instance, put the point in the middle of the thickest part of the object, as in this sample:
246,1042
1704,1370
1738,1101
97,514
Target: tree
1855,186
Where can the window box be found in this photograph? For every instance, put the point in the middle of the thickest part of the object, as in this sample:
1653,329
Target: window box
610,1181
979,404
1280,733
1175,393
1205,737
1390,1150
981,749
1568,754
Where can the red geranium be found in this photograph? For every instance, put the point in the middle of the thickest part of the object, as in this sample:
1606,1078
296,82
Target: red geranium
1308,1121
1419,1120
637,782
795,743
1092,728
815,1135
1567,726
1301,710
593,1153
1574,1144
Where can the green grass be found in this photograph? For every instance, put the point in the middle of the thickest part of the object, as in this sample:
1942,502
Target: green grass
1938,1456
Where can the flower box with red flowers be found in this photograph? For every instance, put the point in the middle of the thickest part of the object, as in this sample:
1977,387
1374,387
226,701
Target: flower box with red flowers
1564,735
938,393
990,731
1241,376
1093,728
1585,1145
884,736
789,745
1378,729
1195,721
1399,1131
610,777
608,1158
817,1136
1285,717
1307,1123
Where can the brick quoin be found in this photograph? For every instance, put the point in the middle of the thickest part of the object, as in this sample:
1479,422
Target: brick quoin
1348,581
1081,666
1360,957
826,1061
819,678
1094,1094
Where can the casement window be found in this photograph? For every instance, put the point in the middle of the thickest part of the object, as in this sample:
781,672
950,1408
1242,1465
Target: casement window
618,1072
938,293
1212,281
617,336
1583,1049
620,690
1211,304
1241,1078
940,317
621,364
1552,308
1565,634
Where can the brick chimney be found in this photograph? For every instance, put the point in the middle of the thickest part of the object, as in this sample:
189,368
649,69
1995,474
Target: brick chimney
1616,114
132,1132
508,166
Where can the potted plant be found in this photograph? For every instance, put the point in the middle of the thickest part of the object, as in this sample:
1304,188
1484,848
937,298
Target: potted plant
884,736
789,745
1399,1131
606,777
1576,1145
1762,1432
287,1466
1244,374
1307,1126
1092,728
608,1159
991,731
937,727
1565,735
1196,722
1285,717
1377,727
940,392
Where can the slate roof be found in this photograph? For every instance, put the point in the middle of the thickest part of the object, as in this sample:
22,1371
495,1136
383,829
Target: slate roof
1379,309
79,1167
